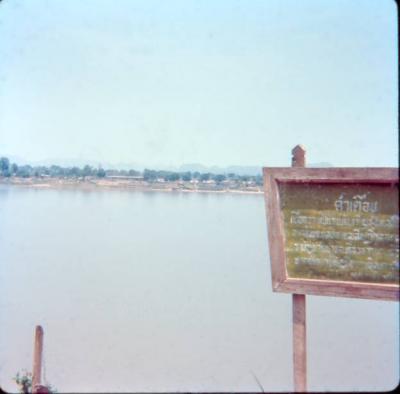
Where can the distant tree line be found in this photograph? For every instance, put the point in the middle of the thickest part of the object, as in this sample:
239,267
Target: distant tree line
8,169
153,175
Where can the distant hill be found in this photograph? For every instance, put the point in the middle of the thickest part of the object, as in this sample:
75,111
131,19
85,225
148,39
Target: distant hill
192,167
239,170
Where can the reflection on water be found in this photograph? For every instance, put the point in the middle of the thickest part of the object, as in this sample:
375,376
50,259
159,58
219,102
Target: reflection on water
168,292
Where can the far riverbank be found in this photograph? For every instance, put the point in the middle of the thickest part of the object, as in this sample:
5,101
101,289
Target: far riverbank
92,183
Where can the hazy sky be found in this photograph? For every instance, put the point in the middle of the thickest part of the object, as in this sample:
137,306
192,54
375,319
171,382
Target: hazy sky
215,82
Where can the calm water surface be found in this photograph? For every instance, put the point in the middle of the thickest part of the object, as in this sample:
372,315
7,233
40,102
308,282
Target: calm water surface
169,292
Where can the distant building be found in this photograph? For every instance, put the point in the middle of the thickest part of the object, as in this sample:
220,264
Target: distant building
125,177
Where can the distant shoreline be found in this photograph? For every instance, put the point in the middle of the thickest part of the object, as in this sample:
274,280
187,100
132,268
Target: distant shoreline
108,184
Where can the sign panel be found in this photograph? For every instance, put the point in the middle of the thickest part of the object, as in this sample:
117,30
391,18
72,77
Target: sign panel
334,231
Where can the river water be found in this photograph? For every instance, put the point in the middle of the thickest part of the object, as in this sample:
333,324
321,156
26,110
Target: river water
151,291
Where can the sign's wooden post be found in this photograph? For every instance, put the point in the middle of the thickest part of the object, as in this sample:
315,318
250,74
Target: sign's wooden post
299,343
298,156
299,310
37,359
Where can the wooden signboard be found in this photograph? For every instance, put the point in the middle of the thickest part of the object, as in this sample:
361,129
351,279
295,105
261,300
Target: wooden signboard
334,231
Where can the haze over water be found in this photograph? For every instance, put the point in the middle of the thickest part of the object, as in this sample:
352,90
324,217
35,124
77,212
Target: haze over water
169,292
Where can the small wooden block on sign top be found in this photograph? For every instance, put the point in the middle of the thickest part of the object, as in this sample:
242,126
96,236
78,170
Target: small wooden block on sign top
334,231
